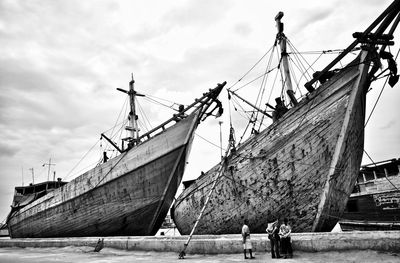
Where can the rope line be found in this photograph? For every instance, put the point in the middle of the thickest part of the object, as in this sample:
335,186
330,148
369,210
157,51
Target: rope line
91,148
383,87
263,56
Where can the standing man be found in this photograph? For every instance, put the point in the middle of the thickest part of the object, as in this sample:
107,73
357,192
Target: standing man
273,236
284,233
246,239
280,109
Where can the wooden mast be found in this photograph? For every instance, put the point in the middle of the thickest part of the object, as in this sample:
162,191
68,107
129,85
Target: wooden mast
48,171
281,39
133,127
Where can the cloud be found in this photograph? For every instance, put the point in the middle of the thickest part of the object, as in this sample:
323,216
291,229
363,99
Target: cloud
243,29
7,150
389,125
313,16
199,13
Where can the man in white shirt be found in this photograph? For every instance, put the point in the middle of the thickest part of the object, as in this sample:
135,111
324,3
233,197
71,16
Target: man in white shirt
246,239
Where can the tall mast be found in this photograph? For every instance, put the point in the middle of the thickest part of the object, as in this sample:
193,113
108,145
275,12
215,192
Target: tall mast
33,175
133,127
48,171
281,38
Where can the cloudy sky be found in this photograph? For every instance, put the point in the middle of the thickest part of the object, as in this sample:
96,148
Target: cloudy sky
61,61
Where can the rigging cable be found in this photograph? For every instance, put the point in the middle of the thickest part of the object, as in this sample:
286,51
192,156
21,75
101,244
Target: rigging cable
383,87
234,84
68,174
262,88
210,142
123,108
150,97
162,104
145,118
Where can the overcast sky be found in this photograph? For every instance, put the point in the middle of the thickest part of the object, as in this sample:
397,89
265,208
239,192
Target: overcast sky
61,61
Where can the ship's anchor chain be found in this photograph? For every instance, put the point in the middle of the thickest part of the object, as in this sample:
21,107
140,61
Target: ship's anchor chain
221,169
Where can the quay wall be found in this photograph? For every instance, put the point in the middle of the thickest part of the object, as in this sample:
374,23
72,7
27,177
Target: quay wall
226,244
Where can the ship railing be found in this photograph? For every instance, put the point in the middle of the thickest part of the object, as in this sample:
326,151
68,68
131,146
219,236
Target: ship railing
204,103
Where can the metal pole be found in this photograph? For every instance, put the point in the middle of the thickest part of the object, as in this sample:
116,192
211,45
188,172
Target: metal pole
33,175
48,171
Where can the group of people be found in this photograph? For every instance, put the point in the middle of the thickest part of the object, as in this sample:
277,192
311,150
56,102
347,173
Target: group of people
279,236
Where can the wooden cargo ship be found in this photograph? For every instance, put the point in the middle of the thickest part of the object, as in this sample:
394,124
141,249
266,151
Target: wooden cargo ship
305,164
375,201
129,194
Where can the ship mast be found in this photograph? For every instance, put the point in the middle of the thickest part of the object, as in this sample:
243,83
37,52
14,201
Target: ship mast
281,39
33,175
133,127
48,171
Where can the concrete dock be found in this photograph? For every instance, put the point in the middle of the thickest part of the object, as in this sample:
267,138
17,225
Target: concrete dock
388,241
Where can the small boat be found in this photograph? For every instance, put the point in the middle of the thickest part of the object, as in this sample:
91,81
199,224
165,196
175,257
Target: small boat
305,164
129,194
375,201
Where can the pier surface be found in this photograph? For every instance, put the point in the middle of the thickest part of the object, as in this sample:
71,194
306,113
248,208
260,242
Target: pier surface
224,244
110,255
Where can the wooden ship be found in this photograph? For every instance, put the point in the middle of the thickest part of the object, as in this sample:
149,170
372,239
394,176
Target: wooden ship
129,194
374,203
305,164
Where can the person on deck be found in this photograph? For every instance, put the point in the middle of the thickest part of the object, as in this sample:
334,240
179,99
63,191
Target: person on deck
273,236
246,240
286,243
280,109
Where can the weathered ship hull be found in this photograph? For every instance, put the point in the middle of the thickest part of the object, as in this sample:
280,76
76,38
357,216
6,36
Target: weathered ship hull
303,166
128,195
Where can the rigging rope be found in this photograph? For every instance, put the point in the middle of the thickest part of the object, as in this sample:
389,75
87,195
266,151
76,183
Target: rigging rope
123,107
155,101
234,84
145,118
162,104
262,89
383,87
214,144
91,148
